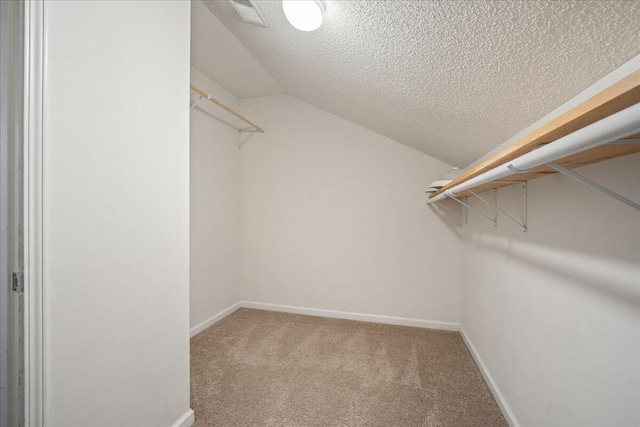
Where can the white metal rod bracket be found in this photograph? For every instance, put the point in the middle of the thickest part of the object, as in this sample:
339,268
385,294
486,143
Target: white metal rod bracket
494,221
593,185
525,207
497,209
466,213
194,103
516,170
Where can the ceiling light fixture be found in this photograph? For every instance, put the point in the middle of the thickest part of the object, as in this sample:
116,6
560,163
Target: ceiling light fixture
305,15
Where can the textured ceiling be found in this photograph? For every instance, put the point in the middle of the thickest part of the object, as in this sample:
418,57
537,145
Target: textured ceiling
218,54
451,79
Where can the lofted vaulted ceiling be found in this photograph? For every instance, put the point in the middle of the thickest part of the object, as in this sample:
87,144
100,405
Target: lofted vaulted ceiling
218,54
452,79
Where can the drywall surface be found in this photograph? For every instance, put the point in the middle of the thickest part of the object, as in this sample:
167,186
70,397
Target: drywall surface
116,213
451,79
214,205
333,217
555,313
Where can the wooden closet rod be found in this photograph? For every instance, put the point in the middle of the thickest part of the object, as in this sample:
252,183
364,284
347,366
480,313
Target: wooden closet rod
205,95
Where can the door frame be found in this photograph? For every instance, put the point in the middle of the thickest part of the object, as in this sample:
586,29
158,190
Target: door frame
34,342
11,215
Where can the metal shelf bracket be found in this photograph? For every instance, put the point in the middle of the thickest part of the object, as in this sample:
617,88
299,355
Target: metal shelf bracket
497,209
593,185
464,202
466,205
516,170
194,103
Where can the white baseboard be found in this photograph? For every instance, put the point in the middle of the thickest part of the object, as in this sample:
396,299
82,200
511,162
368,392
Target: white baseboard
215,318
429,324
502,402
186,420
374,318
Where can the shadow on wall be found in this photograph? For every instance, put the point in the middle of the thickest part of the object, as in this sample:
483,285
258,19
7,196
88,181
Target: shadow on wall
213,116
450,214
617,280
245,140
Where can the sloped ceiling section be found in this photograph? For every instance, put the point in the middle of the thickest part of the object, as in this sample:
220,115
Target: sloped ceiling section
219,55
451,79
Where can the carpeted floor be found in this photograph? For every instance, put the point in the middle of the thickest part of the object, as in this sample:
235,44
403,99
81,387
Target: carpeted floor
262,368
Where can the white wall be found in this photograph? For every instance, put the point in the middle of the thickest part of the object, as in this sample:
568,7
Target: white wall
555,313
333,217
215,205
116,213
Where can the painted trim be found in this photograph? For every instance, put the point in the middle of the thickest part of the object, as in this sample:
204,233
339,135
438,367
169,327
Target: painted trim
34,342
186,420
374,318
334,314
493,386
214,319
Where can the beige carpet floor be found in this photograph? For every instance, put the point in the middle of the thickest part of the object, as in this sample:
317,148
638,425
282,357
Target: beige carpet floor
262,368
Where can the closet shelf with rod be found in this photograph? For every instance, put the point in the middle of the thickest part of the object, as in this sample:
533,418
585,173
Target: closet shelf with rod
204,95
603,127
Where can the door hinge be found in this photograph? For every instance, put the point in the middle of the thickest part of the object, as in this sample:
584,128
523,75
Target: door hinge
18,282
